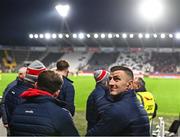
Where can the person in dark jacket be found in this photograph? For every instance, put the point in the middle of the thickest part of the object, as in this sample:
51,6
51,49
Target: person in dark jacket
146,98
41,114
125,116
20,77
94,102
12,99
67,89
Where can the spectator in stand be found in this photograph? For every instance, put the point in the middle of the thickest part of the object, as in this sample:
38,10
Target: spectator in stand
124,116
41,114
12,99
94,102
67,89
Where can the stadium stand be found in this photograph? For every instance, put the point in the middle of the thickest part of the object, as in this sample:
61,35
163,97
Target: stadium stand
101,60
51,57
77,60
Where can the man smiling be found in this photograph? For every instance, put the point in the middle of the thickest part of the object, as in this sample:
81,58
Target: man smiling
125,116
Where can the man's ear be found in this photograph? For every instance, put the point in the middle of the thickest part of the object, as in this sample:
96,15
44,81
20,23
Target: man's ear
130,84
56,94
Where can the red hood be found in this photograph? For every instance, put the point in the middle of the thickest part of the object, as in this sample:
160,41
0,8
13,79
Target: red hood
34,93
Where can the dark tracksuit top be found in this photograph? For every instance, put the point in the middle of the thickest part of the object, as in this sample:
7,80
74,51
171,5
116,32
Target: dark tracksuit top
95,105
12,99
125,116
41,115
67,94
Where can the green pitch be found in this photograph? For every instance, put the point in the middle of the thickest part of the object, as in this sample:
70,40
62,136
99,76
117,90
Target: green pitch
166,92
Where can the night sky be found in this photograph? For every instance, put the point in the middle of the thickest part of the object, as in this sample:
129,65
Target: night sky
18,18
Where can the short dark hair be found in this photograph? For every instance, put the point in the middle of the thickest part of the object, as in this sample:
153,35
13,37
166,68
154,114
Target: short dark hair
125,69
49,81
141,82
62,65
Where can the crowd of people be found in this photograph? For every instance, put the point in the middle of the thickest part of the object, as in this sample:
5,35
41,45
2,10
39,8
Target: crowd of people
40,102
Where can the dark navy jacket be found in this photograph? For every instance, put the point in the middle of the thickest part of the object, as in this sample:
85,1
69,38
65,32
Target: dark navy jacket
12,98
95,105
125,116
67,94
2,104
41,115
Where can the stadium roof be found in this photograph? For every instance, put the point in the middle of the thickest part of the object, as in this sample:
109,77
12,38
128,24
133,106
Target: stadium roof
19,18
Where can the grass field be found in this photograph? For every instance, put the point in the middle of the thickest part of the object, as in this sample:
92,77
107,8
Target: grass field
166,92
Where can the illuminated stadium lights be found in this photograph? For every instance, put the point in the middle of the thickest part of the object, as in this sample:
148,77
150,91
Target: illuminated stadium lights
163,35
170,35
147,36
96,36
155,35
30,36
67,35
110,36
88,35
140,35
60,36
41,36
35,36
117,35
131,35
47,35
81,35
177,35
74,36
62,10
124,35
102,35
151,9
105,35
54,36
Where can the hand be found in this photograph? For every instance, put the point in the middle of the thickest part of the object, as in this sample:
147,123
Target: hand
6,125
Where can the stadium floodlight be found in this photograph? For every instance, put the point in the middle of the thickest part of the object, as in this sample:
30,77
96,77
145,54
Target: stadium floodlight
67,35
140,35
151,9
41,36
177,35
31,36
102,35
155,35
170,35
163,35
74,35
110,35
35,36
96,35
81,35
88,35
63,10
117,35
54,36
124,35
131,35
147,35
60,36
47,35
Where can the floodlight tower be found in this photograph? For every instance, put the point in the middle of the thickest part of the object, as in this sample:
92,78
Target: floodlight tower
63,11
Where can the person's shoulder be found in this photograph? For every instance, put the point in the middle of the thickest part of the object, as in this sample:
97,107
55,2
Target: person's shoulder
66,79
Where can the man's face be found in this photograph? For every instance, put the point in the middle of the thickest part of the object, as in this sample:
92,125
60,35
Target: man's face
119,82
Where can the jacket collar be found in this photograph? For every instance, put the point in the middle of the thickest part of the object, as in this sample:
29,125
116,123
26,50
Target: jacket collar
31,92
120,96
67,79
